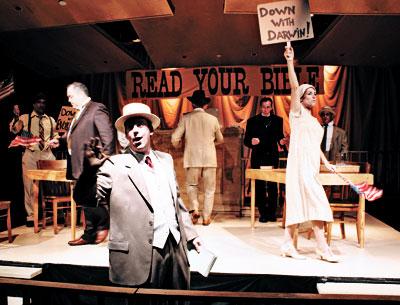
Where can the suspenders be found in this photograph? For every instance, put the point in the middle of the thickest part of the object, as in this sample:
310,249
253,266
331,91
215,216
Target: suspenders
30,123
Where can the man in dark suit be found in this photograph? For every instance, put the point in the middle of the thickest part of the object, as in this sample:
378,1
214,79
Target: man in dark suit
334,142
91,120
264,132
150,226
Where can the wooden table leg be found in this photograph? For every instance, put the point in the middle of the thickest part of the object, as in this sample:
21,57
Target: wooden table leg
361,220
9,227
73,213
36,206
253,202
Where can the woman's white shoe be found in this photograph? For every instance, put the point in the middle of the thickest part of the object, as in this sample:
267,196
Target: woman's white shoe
327,255
288,250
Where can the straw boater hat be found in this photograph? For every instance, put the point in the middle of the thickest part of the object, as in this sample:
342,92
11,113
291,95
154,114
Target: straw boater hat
327,109
136,110
199,98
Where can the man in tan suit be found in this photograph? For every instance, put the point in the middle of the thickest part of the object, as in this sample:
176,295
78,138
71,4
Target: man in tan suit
202,132
334,142
149,225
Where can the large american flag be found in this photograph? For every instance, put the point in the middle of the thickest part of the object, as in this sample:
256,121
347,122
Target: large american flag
6,87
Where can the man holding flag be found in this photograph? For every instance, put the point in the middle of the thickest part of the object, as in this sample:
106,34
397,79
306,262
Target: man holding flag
36,132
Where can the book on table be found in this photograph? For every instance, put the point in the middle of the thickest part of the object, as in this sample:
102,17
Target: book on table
202,261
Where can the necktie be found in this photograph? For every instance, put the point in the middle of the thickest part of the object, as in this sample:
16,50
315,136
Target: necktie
41,132
323,143
148,162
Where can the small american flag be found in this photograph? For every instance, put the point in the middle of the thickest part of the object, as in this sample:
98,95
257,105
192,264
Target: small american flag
25,139
6,87
370,192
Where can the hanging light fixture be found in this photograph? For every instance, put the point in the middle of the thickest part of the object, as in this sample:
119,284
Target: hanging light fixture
62,2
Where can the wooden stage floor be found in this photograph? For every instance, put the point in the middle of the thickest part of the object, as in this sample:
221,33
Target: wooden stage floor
239,249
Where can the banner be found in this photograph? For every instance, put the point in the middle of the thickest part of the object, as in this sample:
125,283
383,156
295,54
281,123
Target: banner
65,117
217,81
284,21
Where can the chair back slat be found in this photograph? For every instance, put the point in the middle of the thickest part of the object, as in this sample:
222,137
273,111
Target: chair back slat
52,164
52,188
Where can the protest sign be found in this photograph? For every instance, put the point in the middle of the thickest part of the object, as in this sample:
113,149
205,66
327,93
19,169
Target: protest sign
284,21
65,117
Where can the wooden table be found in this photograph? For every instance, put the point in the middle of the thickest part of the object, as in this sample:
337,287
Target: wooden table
326,178
49,175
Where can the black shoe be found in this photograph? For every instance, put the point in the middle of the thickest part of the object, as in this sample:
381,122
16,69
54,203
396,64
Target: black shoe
263,219
271,218
29,223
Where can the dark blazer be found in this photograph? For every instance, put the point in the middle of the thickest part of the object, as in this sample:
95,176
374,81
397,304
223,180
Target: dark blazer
121,186
266,152
338,144
94,121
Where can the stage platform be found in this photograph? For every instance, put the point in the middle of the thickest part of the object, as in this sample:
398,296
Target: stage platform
242,253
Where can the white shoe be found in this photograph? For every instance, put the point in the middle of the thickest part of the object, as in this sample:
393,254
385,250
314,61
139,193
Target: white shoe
327,255
288,250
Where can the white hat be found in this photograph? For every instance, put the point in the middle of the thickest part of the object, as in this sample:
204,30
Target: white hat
136,110
302,89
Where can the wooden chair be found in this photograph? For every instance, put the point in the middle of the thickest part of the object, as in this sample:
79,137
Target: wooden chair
349,203
55,194
5,206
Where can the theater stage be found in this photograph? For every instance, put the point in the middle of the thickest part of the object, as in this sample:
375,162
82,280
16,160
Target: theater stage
242,253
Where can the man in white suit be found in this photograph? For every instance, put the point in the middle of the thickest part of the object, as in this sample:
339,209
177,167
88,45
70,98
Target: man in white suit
149,225
202,132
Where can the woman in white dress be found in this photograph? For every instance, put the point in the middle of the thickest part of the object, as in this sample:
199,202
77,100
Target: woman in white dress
305,197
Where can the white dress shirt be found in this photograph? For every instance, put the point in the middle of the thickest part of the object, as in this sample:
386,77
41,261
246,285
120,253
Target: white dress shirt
165,220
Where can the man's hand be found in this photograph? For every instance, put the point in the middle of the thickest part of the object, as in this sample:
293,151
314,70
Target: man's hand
255,141
16,111
284,141
94,153
54,143
197,243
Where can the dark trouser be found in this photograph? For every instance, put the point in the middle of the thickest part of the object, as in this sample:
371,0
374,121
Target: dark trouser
97,219
169,267
169,270
266,198
266,192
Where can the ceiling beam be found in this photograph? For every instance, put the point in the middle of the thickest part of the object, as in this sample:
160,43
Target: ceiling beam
31,14
325,7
